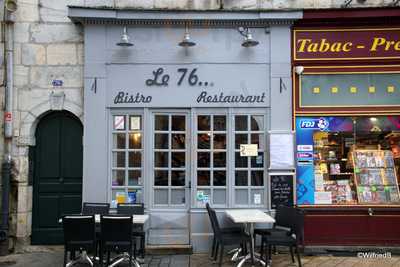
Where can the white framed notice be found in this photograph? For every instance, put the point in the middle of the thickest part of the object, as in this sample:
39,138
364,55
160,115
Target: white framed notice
249,150
281,147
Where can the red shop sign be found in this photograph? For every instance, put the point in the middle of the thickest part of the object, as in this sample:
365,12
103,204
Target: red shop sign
346,44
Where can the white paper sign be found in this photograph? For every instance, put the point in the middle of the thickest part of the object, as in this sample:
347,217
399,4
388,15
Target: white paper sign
323,197
249,150
281,151
135,123
319,182
257,199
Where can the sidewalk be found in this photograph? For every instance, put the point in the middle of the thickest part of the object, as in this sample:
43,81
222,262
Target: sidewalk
53,257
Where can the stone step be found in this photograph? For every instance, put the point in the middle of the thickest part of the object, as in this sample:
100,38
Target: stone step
168,249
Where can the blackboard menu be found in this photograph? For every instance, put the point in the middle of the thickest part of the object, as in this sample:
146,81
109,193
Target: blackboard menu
282,192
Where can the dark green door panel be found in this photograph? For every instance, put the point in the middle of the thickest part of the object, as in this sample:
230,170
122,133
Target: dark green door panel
57,178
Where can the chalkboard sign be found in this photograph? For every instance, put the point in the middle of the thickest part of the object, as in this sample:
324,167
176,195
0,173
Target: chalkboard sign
282,191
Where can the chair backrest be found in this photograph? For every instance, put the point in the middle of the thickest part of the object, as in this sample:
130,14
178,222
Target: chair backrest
116,228
214,220
299,226
285,216
79,228
130,208
90,208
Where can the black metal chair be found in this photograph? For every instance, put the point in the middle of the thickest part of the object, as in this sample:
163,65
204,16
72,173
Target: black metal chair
132,209
290,235
79,235
91,208
225,236
116,236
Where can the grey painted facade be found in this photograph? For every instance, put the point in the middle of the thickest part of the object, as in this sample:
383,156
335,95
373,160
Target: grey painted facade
112,73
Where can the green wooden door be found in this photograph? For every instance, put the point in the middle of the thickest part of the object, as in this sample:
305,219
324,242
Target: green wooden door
57,183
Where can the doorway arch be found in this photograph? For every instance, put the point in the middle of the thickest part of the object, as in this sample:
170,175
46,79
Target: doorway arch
57,177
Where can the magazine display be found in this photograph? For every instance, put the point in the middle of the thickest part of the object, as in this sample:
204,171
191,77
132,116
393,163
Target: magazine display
376,179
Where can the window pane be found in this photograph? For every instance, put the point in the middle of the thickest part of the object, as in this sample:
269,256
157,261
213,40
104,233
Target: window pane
161,159
241,178
118,177
134,177
119,122
135,159
135,141
257,178
178,141
161,122
161,141
178,123
161,196
219,178
178,159
258,161
258,139
241,123
203,141
203,123
178,196
219,141
161,178
219,159
135,123
178,178
240,162
203,159
241,197
118,159
219,196
203,178
240,139
219,123
119,141
257,123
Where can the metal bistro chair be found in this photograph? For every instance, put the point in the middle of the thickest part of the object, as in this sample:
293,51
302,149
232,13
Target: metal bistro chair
90,208
287,231
132,209
116,236
225,238
79,235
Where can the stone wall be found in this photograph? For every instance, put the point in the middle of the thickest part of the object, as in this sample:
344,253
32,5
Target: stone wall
47,47
230,4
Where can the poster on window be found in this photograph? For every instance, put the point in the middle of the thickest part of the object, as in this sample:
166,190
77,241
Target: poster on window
281,150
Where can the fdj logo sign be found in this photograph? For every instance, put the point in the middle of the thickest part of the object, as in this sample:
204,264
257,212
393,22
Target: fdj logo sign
320,124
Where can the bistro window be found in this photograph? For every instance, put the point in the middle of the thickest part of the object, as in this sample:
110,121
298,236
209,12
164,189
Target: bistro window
127,158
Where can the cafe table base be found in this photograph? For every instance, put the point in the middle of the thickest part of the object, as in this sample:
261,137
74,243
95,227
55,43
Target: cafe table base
124,257
83,258
253,257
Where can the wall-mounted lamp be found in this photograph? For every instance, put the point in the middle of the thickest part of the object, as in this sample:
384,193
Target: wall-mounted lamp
124,39
299,70
186,42
248,38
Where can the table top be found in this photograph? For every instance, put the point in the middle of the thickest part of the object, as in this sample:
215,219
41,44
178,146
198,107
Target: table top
249,216
136,219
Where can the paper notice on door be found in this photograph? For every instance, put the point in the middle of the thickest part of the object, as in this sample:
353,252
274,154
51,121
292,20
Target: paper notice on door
257,199
323,197
249,150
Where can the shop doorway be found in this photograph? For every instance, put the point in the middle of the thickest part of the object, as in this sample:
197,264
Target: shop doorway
170,171
57,180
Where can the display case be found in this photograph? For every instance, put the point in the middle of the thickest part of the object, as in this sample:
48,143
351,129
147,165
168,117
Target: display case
375,177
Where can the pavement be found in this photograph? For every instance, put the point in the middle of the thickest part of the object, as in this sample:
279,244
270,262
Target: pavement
53,256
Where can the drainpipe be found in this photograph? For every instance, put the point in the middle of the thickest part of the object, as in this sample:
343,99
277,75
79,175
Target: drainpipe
10,7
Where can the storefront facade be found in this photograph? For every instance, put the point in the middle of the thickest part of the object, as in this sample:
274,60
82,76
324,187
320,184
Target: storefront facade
346,102
164,124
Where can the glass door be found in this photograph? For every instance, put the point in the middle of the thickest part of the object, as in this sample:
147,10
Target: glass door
170,160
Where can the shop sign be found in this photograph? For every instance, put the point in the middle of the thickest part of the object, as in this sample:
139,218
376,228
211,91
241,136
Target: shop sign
346,44
188,85
313,124
304,147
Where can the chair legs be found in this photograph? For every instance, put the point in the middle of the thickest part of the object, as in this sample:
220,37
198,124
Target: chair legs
291,253
65,257
298,255
221,255
213,248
